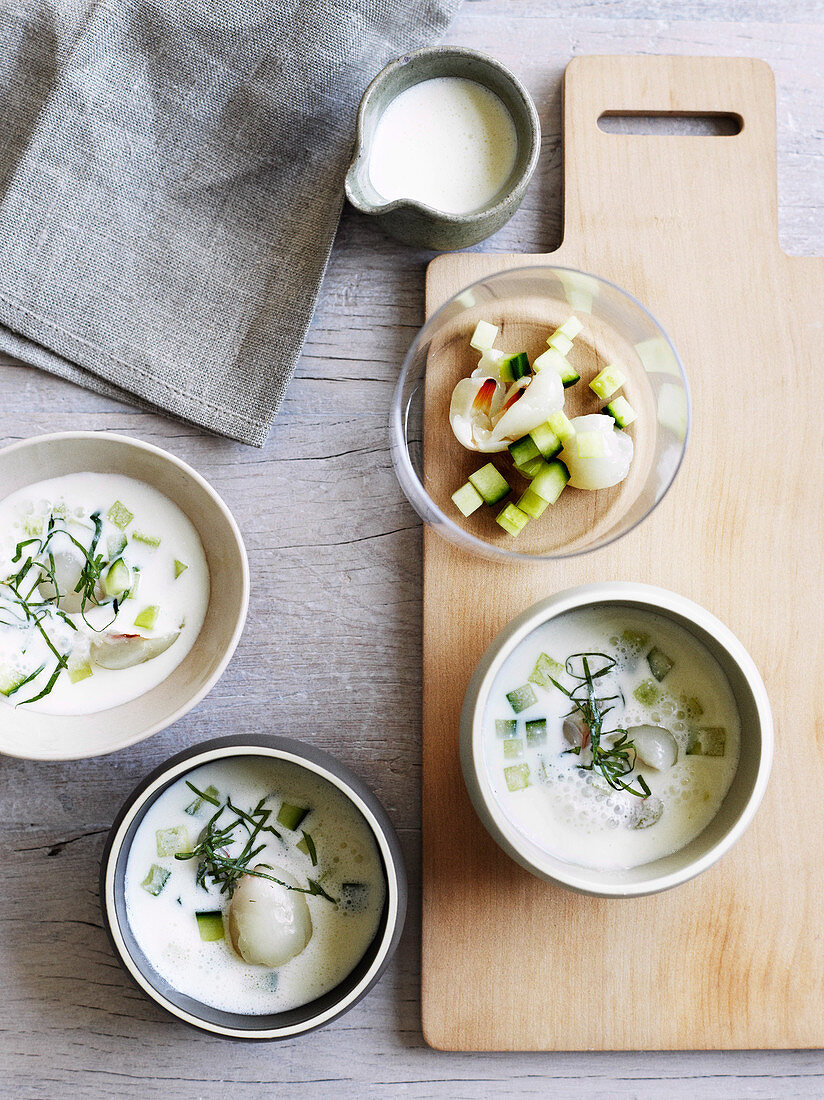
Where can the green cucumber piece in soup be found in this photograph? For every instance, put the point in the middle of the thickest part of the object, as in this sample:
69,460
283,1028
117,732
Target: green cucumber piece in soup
522,698
647,693
290,816
180,568
659,663
506,727
354,897
155,880
490,483
546,670
536,730
147,540
117,579
513,747
210,925
120,515
147,617
517,777
208,797
172,840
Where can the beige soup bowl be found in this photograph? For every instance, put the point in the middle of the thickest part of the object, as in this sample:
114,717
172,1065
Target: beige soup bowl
34,736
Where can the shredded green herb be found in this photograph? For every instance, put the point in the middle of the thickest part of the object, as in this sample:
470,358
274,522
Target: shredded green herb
616,760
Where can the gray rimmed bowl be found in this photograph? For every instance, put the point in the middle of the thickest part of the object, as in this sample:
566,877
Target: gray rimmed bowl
414,222
232,1025
741,801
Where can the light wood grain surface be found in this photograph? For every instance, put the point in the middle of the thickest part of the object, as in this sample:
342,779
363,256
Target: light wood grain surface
332,648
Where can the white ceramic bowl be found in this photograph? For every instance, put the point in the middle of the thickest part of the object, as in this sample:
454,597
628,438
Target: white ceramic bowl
34,736
234,1025
743,797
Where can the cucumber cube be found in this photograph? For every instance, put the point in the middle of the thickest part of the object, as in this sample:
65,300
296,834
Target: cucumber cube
659,663
513,747
545,667
536,730
571,327
79,672
531,468
147,540
550,482
116,544
33,526
621,412
562,426
156,879
569,375
10,679
546,440
513,367
467,499
532,504
290,816
512,519
117,579
517,777
484,336
590,444
707,741
522,697
550,358
120,515
635,638
132,593
506,727
692,706
172,840
197,805
490,483
647,693
147,617
524,450
210,925
607,382
560,343
180,567
354,897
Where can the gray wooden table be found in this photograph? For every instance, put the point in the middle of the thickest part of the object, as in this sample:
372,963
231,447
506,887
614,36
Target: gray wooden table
331,651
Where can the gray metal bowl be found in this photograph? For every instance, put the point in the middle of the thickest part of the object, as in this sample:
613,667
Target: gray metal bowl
414,222
233,1025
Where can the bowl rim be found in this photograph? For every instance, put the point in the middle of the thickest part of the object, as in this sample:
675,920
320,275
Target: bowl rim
412,485
477,217
653,599
132,441
312,759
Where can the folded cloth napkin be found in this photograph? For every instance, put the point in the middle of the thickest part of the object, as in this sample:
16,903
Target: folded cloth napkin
171,177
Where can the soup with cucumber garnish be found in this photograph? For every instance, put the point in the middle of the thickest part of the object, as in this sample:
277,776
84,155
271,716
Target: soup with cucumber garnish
611,737
104,587
254,885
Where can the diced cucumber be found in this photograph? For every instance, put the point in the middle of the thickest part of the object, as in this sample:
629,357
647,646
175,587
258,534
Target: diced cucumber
590,444
621,412
569,375
147,540
708,741
120,515
354,897
33,526
607,382
635,638
513,367
531,468
490,483
79,672
513,747
147,617
517,777
172,840
290,816
647,693
560,343
116,544
117,579
550,359
132,593
512,519
523,450
532,504
180,567
659,663
197,805
545,667
562,426
210,925
546,440
10,679
536,730
692,706
550,482
156,879
484,336
467,499
521,698
506,727
571,327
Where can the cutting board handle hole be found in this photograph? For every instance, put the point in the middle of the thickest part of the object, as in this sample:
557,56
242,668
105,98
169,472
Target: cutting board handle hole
671,123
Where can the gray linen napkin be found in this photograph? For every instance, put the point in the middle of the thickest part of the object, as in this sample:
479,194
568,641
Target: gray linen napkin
171,177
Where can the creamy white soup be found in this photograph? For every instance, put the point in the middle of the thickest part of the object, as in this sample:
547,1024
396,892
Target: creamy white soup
104,587
611,737
254,885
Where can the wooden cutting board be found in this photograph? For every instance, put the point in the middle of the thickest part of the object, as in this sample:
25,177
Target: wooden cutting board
734,959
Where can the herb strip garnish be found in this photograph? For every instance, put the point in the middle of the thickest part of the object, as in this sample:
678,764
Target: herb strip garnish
613,761
226,871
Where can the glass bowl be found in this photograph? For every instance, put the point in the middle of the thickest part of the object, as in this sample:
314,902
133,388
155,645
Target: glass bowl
527,303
